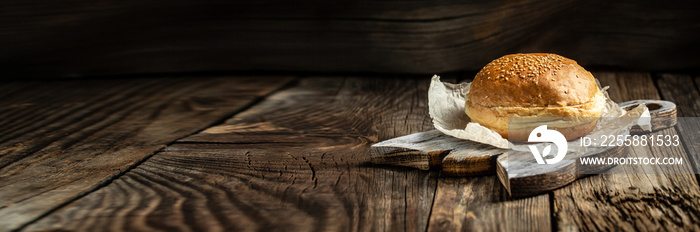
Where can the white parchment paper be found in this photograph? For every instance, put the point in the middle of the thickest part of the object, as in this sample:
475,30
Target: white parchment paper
446,106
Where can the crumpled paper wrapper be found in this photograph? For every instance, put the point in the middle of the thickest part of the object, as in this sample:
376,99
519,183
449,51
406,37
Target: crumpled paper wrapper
446,106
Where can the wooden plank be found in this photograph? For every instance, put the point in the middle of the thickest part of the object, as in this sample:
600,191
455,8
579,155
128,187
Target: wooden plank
297,161
682,90
430,149
422,150
521,176
86,38
635,197
482,204
63,139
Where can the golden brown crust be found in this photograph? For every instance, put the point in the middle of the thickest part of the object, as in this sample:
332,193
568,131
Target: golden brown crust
534,85
535,79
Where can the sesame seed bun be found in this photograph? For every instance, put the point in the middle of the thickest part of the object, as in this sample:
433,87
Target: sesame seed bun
532,89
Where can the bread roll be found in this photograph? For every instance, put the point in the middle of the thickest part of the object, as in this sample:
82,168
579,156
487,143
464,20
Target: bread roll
535,89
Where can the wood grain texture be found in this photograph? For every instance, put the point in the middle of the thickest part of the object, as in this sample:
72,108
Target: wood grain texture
84,38
522,176
433,149
422,150
682,89
300,161
62,139
634,197
482,204
248,190
297,161
474,159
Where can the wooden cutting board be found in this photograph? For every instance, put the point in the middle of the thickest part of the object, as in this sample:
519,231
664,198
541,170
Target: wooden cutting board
517,171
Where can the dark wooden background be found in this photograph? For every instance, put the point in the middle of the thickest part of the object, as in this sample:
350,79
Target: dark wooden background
94,38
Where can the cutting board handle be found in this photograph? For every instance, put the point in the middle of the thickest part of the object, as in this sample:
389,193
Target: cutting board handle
663,114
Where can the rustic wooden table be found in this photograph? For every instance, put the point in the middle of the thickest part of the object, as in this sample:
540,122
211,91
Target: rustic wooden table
291,153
